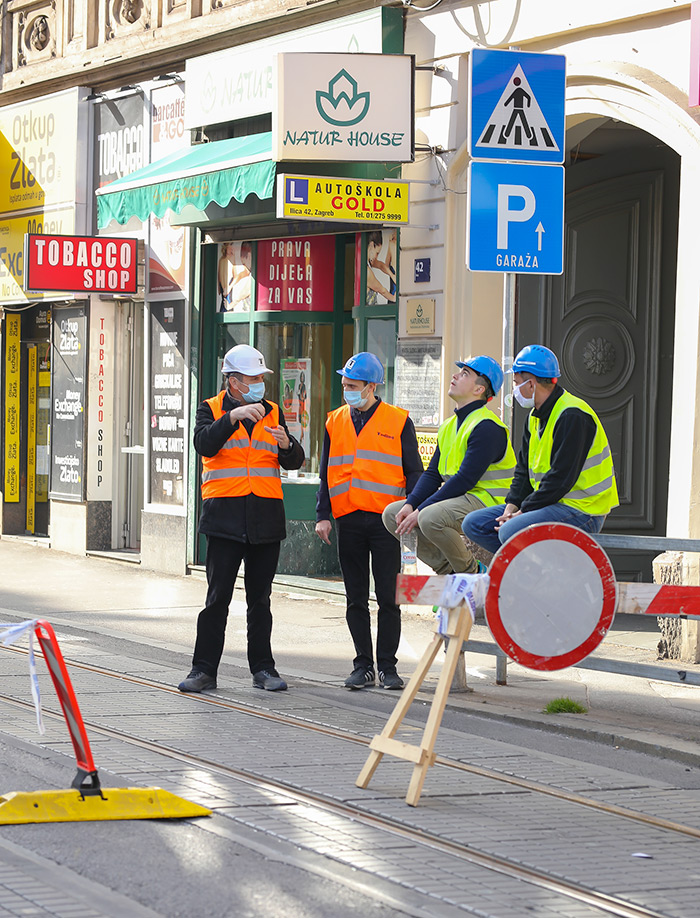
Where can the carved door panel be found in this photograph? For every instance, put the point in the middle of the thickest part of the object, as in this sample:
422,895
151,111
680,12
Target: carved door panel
609,318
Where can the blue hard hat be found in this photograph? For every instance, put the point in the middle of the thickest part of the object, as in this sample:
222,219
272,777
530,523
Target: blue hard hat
538,360
364,367
486,367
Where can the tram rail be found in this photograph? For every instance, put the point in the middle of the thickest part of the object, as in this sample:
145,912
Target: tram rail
567,889
336,733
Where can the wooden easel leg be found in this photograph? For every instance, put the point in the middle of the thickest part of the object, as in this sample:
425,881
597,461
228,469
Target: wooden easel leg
400,711
458,635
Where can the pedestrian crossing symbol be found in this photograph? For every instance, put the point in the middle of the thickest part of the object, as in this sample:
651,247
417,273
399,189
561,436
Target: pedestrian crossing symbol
517,106
517,120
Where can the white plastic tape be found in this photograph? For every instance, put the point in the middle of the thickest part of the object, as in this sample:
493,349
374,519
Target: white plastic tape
469,588
10,632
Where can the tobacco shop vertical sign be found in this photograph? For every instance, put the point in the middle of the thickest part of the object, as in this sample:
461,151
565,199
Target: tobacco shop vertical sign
12,344
68,403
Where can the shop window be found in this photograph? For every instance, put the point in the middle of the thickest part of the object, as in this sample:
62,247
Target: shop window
381,340
301,356
228,336
293,299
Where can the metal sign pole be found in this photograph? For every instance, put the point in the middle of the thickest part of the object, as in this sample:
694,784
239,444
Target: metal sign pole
508,347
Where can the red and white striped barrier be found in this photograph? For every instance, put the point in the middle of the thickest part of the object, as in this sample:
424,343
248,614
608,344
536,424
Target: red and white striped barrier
550,596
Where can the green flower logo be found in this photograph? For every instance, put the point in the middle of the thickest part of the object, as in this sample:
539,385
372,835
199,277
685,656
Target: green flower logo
342,104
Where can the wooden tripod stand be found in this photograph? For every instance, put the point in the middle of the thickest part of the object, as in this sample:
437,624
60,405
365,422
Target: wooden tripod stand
458,628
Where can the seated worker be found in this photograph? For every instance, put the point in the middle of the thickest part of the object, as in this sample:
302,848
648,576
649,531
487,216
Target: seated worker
369,457
565,470
471,468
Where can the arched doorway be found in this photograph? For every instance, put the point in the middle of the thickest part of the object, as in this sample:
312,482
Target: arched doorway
611,315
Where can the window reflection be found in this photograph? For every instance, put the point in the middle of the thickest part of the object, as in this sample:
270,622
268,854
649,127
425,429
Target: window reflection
301,358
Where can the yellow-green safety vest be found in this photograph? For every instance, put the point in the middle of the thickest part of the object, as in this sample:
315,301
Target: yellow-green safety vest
595,489
494,485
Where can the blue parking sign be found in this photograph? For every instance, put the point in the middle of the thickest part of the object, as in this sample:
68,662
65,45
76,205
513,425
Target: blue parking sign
516,218
517,101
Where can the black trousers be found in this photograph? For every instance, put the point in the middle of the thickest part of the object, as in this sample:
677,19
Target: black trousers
361,536
224,557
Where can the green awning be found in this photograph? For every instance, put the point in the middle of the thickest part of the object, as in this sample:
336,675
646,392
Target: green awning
209,172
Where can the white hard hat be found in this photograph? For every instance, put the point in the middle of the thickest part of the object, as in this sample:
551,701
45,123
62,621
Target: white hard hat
245,359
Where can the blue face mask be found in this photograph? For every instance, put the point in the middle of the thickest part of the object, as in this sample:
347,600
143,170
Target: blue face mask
255,393
354,398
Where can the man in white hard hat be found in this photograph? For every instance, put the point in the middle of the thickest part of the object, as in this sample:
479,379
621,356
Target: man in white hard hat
243,441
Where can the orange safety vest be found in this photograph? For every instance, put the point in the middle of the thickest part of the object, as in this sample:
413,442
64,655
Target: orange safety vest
365,470
243,465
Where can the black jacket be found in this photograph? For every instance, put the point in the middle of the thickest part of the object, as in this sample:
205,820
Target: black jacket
245,519
573,436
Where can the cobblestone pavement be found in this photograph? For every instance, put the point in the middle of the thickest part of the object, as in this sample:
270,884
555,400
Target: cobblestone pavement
597,849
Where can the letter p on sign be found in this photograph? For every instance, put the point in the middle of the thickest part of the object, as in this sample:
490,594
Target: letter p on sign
517,215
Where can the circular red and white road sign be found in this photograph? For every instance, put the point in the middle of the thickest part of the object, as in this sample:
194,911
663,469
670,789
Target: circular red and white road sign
552,596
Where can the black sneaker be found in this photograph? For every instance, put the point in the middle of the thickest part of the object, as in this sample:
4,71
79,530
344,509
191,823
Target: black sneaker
269,680
391,680
360,678
197,682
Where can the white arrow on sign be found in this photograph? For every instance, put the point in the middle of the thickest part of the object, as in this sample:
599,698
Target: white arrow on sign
540,229
507,216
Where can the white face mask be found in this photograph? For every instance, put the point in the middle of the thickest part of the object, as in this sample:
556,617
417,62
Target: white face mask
354,397
523,400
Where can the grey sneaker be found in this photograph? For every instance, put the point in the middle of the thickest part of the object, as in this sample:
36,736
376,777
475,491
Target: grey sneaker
360,678
391,680
197,682
269,680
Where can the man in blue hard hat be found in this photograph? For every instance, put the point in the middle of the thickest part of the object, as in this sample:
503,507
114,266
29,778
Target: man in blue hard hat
565,470
369,458
472,468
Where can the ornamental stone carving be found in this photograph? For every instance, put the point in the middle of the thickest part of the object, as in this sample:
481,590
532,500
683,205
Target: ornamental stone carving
39,35
130,10
124,17
35,27
599,356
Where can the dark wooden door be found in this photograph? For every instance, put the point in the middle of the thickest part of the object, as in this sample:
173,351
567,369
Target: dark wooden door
609,318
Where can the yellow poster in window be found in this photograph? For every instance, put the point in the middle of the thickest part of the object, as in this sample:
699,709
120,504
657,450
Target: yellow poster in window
12,339
31,437
427,441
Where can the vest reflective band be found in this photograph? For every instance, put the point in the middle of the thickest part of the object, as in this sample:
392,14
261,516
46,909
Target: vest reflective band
595,490
243,465
365,470
494,485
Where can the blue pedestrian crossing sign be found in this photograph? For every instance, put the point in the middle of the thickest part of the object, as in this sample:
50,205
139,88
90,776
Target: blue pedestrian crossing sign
516,218
517,106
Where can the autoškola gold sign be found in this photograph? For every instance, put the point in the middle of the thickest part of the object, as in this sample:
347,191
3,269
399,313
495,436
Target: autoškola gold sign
320,197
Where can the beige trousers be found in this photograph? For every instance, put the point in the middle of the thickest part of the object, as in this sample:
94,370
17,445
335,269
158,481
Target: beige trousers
440,540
